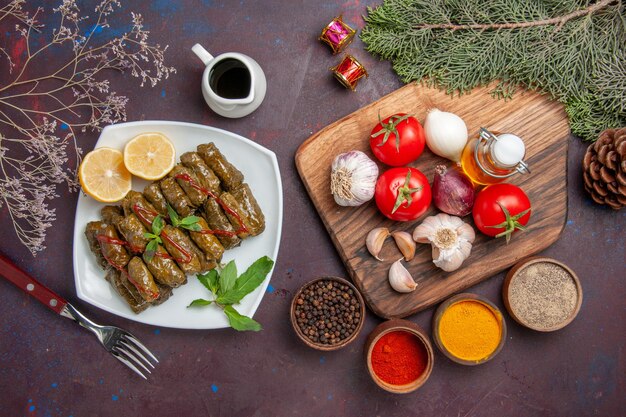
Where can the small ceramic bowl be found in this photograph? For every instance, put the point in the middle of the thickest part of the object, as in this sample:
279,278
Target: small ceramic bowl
343,342
475,298
404,326
547,267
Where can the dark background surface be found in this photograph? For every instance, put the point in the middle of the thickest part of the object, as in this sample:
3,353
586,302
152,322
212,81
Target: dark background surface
50,367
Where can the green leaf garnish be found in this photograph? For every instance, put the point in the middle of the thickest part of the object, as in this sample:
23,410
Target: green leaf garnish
229,290
173,215
248,281
189,222
210,280
228,276
240,322
157,225
199,302
151,249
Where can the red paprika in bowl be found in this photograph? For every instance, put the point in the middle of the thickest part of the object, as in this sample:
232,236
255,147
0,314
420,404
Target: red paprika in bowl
399,356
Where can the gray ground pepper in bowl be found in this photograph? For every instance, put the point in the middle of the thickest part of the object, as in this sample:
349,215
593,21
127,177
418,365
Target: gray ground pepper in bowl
542,294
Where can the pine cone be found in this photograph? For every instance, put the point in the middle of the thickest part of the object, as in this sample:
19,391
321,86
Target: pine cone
604,168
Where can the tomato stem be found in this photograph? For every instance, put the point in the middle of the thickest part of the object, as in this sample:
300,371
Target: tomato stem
404,193
389,128
510,223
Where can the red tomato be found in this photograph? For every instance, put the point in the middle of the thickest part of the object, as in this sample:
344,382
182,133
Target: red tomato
397,140
402,193
501,209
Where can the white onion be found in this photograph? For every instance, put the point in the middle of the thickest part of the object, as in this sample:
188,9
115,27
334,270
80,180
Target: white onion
446,134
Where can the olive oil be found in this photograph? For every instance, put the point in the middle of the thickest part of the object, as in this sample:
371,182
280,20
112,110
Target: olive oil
491,159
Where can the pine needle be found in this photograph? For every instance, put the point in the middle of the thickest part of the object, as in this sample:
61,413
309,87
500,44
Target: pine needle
573,50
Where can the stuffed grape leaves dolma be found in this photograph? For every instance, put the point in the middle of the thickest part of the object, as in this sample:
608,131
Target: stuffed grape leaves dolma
142,279
164,293
250,207
176,197
154,195
133,231
206,264
207,242
111,214
206,176
164,268
218,222
230,176
182,249
91,233
187,179
111,245
235,215
113,276
136,203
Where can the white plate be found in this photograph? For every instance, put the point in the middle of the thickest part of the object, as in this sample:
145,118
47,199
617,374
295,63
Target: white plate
260,168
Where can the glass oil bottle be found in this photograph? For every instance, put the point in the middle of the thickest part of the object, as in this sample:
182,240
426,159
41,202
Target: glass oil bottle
490,159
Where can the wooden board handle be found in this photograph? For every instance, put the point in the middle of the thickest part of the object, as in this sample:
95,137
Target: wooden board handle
31,286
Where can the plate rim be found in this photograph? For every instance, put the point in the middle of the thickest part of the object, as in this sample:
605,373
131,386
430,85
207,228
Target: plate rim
275,250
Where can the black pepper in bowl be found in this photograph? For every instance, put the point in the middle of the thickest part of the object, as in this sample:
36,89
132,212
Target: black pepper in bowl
327,313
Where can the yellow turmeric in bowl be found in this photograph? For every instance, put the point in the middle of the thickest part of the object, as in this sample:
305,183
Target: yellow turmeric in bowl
470,330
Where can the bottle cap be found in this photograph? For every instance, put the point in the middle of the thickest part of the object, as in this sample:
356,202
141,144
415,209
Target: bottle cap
508,150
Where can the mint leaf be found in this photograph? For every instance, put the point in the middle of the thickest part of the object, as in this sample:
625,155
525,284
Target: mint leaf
191,223
193,227
228,276
247,282
189,220
173,216
151,249
239,322
210,280
157,225
200,302
148,235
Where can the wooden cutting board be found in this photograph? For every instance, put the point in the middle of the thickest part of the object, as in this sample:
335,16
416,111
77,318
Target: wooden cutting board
541,123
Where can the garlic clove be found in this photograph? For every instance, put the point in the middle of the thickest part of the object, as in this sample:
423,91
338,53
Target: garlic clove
466,233
449,259
375,239
465,248
401,279
455,222
405,243
424,230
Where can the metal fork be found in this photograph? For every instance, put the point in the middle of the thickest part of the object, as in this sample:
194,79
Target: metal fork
118,342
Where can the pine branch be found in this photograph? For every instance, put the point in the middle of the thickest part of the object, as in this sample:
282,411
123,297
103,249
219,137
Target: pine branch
570,49
555,21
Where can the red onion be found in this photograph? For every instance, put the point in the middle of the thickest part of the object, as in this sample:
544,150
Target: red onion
453,192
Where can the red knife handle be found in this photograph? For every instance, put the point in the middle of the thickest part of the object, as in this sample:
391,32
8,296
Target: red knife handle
31,286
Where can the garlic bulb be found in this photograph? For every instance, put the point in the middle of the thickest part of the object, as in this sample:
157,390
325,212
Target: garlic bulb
353,178
451,239
446,134
400,279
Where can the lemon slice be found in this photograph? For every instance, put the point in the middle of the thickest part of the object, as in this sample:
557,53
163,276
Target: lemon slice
103,176
149,156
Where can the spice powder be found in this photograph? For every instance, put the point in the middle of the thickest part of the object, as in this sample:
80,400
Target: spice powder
399,358
470,330
543,295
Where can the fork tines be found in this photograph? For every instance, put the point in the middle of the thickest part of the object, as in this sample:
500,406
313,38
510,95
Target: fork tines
132,353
